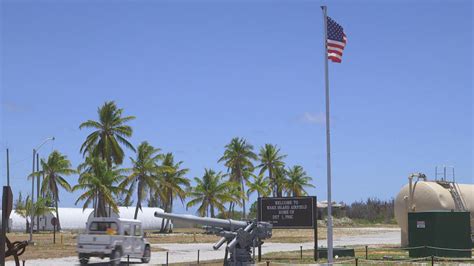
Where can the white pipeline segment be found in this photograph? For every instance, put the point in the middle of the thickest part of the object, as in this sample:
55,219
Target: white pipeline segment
76,218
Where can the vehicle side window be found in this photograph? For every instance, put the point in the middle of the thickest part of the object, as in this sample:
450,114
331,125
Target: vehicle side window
126,229
138,230
103,228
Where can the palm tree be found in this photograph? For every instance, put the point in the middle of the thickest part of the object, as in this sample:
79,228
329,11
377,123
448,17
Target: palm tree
259,185
99,183
54,171
297,181
235,195
210,193
110,130
172,184
238,157
271,160
24,208
143,176
280,180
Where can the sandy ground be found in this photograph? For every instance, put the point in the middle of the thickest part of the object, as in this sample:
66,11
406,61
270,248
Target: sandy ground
182,253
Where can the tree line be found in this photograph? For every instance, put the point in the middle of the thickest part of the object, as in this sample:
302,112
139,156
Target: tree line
372,210
156,177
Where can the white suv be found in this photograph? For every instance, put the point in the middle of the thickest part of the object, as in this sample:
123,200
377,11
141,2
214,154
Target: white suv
113,238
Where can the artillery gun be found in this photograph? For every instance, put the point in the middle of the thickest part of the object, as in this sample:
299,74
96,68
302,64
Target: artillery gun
240,236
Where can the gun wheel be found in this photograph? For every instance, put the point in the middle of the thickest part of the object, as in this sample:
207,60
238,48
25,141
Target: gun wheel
83,259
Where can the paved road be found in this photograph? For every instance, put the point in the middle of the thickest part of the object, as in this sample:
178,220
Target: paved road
188,252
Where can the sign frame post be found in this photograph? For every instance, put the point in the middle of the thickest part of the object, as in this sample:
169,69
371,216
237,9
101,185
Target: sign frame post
7,205
315,213
54,221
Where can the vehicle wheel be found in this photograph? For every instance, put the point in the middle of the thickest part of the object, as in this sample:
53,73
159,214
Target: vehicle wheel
115,257
83,259
146,254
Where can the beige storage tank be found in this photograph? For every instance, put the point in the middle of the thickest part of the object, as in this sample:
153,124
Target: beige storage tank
432,196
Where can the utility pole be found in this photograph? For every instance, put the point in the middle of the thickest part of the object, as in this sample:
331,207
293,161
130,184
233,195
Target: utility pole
38,179
8,180
8,168
32,198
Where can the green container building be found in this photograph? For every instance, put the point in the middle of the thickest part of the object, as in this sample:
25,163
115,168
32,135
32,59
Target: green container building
440,233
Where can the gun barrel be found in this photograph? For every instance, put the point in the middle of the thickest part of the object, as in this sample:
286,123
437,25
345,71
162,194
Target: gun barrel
228,224
219,243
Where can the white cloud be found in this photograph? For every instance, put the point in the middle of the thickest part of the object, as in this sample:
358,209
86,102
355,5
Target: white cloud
313,118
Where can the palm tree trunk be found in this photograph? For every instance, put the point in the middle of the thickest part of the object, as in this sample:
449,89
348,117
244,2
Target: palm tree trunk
139,199
171,203
136,209
212,211
158,200
97,203
229,211
243,196
162,228
104,209
270,175
94,203
101,209
57,214
170,206
279,190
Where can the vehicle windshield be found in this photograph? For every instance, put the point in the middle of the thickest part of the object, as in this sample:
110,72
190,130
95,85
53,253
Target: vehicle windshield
109,228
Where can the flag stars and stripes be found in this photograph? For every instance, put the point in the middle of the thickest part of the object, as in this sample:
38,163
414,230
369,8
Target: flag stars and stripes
336,40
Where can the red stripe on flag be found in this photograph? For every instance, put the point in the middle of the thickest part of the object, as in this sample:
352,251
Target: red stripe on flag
334,59
336,45
334,51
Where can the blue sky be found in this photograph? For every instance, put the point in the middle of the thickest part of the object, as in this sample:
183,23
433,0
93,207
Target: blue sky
197,73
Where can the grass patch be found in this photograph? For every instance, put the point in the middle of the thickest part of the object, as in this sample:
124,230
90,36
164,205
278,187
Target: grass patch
378,222
385,255
44,248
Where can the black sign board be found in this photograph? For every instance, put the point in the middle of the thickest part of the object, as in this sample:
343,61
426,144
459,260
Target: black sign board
288,212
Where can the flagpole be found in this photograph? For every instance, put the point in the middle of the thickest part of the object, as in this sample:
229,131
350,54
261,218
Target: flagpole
328,141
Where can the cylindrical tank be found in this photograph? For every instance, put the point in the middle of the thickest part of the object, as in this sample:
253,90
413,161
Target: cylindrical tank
430,196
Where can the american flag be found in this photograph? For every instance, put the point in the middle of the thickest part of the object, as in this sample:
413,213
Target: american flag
336,40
